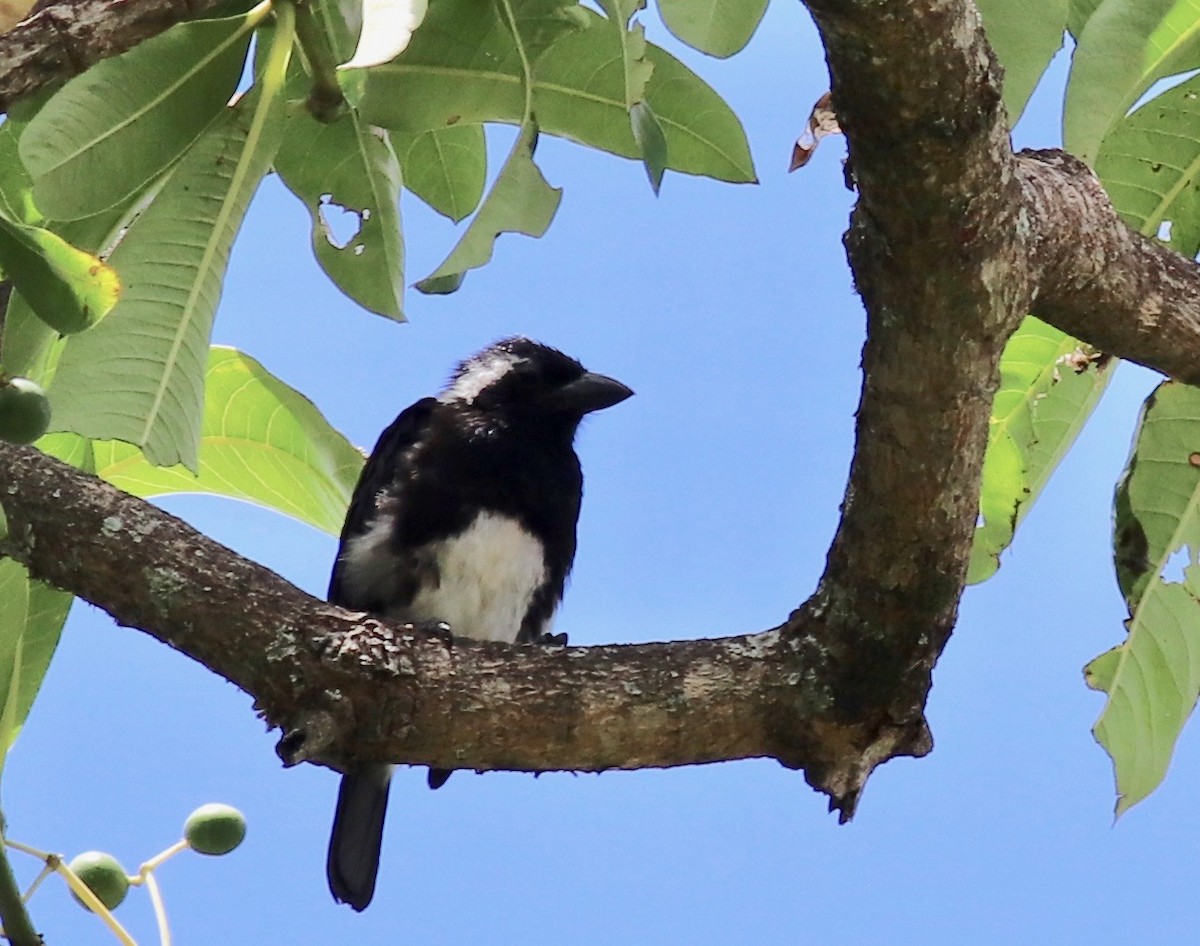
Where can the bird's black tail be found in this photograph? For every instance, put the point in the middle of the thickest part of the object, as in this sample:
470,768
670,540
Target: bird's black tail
357,834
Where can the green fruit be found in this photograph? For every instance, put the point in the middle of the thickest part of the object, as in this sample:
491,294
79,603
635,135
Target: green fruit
104,876
214,829
24,411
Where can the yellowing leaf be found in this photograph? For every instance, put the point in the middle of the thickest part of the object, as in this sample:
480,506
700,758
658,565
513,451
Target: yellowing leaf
68,289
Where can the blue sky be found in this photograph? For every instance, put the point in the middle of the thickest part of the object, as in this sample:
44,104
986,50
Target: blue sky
711,498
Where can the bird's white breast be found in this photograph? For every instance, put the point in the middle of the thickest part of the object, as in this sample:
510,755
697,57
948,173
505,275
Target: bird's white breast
486,575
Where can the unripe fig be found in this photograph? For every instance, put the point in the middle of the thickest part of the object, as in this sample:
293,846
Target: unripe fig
104,876
24,411
214,829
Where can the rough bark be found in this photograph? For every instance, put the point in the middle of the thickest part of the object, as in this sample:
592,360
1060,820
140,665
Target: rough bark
63,39
1101,281
341,683
953,241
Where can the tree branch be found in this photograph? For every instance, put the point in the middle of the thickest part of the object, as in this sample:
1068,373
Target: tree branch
63,39
953,241
939,262
1103,282
346,687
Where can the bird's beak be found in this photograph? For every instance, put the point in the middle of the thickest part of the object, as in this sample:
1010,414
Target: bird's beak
589,392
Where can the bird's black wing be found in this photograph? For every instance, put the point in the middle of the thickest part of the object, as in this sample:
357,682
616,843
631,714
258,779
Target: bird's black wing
381,469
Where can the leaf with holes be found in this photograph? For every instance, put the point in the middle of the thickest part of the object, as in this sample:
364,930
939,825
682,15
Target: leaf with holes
349,166
1125,48
1150,166
139,375
1153,678
262,442
519,202
113,129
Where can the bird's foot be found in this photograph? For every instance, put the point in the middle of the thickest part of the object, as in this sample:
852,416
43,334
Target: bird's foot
437,629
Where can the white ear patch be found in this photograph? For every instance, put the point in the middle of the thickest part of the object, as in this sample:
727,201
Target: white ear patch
478,374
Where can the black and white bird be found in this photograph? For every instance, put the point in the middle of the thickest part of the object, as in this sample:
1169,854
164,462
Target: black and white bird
464,513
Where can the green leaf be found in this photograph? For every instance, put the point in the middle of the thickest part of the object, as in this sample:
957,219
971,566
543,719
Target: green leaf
31,620
70,448
10,689
579,90
1080,11
1025,35
520,202
1150,166
349,166
68,289
1151,690
32,615
1154,678
113,129
25,346
262,442
635,67
1158,498
138,376
341,21
580,94
1126,46
1101,671
717,27
648,133
1049,386
445,167
463,65
16,186
29,348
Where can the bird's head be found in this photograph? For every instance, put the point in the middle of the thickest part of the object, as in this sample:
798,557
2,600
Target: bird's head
521,378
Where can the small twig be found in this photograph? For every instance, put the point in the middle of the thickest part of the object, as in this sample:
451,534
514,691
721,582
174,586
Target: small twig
45,872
